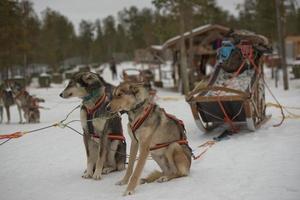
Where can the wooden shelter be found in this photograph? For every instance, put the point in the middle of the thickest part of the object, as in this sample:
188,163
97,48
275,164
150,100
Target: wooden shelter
206,40
292,44
201,45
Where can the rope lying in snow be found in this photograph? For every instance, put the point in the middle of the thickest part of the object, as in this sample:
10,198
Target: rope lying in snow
207,144
61,124
285,108
22,133
280,106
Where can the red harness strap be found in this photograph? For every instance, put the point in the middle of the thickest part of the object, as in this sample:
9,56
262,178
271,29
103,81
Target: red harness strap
247,53
159,146
145,115
173,117
97,105
116,137
138,122
111,136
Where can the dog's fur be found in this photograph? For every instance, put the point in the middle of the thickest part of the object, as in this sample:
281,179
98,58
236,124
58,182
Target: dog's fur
174,160
31,108
7,95
103,155
27,103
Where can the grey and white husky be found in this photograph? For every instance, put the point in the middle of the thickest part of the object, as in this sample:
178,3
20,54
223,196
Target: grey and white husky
103,135
8,99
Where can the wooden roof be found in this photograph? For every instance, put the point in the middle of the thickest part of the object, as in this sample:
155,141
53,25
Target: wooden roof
195,32
203,35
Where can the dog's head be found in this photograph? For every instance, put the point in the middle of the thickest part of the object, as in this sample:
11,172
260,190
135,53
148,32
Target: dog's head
127,96
82,84
15,87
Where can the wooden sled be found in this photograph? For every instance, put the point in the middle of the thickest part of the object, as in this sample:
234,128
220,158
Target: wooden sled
213,104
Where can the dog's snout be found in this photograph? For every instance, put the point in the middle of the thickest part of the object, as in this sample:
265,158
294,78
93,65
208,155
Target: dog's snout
61,94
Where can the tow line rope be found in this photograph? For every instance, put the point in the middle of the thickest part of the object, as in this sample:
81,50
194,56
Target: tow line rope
286,109
208,145
278,103
60,124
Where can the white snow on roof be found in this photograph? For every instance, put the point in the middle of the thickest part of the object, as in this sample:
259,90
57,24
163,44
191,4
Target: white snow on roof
157,47
200,28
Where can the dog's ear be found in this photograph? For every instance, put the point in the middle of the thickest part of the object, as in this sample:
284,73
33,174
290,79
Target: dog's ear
87,77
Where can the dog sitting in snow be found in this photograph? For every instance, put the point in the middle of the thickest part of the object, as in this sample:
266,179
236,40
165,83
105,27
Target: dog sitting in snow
153,131
103,136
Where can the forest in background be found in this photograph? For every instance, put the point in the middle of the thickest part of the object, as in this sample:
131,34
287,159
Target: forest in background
26,38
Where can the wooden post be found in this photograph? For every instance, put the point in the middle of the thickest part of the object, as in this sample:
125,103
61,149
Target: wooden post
183,54
281,44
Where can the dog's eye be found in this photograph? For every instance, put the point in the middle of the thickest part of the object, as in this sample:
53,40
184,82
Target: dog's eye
119,94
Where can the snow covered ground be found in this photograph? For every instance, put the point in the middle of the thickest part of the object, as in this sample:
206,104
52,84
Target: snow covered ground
48,165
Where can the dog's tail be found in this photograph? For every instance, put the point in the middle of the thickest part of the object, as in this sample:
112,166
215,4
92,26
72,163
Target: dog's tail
153,176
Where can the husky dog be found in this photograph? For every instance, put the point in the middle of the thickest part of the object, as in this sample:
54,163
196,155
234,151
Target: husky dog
31,109
153,131
103,138
9,100
27,103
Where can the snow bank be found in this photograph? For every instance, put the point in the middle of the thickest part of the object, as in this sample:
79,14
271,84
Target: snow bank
257,165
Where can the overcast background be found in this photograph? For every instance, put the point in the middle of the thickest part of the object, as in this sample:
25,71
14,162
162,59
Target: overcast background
76,10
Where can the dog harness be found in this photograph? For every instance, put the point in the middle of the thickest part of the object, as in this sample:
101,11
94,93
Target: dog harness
146,113
114,125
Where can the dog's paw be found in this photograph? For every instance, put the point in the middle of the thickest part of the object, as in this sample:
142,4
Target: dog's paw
163,179
143,181
86,175
97,174
122,182
107,170
128,192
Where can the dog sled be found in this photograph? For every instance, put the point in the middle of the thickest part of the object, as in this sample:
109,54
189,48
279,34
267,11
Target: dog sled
234,93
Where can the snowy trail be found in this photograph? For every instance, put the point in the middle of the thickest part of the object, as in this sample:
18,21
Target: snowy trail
48,165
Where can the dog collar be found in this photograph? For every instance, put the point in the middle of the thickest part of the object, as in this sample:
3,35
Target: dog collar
97,104
139,105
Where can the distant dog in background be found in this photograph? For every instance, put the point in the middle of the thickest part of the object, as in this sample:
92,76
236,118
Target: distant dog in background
31,109
28,103
12,93
103,135
9,100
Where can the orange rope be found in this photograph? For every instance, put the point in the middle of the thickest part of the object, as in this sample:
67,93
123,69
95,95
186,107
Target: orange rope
12,135
207,144
226,117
